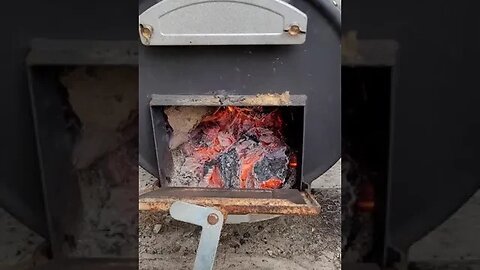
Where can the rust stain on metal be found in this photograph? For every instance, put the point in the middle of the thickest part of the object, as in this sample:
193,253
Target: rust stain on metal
350,49
146,32
270,99
237,205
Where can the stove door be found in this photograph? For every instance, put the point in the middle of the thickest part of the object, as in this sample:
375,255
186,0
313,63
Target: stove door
222,22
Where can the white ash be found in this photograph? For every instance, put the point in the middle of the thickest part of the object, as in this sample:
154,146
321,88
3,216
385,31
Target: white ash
107,230
146,181
360,243
183,119
19,245
104,99
185,171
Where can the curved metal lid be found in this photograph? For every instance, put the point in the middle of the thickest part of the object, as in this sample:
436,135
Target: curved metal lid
222,22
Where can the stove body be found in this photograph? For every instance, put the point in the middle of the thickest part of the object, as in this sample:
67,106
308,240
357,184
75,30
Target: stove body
311,69
242,54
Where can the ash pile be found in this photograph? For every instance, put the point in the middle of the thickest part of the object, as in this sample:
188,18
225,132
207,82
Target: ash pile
102,108
229,147
357,212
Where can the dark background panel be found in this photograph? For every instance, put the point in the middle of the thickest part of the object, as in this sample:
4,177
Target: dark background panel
20,185
435,110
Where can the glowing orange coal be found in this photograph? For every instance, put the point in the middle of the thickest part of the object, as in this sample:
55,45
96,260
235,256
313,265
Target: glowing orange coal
271,183
246,170
215,180
293,161
366,197
240,147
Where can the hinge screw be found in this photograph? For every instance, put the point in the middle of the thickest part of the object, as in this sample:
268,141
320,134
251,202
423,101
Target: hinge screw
212,219
294,30
146,32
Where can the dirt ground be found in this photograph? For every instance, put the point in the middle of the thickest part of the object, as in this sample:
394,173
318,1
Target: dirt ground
280,243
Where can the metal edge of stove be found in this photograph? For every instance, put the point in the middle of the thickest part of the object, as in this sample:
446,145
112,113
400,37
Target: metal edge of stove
219,99
59,52
248,218
160,201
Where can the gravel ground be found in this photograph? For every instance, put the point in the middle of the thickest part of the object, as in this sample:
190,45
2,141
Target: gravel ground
280,243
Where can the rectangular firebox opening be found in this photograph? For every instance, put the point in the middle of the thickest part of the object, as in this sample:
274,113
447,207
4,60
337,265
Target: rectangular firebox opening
245,153
227,143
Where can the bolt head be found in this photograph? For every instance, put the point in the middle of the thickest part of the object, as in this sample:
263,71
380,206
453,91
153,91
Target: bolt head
146,32
294,30
212,219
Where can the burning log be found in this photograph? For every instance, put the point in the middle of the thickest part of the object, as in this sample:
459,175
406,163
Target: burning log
236,147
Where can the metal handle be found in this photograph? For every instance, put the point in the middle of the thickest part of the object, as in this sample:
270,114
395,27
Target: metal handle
211,221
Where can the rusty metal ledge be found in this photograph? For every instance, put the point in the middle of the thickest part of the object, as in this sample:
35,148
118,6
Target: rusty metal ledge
272,99
160,201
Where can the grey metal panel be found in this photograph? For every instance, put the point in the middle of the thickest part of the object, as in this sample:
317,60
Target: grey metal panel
82,52
380,52
222,22
434,142
311,69
20,185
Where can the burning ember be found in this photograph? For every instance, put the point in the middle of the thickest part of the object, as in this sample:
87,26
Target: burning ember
240,148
